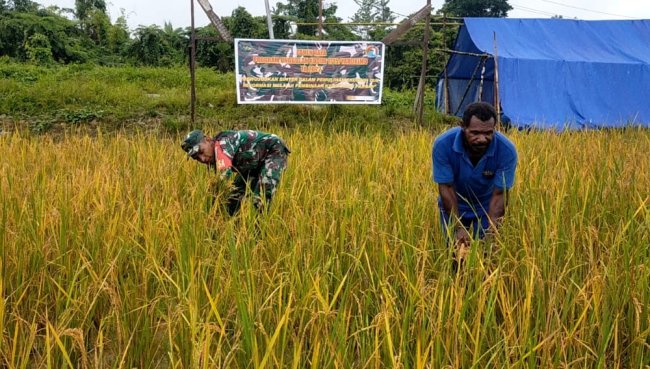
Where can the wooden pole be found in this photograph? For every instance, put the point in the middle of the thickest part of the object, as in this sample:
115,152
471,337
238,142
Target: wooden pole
406,25
469,85
215,20
192,66
480,85
497,101
269,21
445,82
320,19
418,107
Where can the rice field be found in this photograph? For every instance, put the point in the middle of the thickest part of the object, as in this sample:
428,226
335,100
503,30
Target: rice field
113,257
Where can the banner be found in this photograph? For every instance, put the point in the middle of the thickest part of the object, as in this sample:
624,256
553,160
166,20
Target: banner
308,72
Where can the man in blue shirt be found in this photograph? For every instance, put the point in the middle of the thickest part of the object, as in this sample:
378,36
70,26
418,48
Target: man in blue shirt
474,167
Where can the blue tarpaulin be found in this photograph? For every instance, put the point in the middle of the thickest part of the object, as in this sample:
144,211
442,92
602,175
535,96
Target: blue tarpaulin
552,73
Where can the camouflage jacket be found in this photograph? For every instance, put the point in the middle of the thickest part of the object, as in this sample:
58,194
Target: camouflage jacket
244,151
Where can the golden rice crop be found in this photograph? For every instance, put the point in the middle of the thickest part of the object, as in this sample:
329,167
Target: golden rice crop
113,257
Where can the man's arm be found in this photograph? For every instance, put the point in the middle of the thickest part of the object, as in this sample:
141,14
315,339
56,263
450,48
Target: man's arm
449,199
450,206
497,209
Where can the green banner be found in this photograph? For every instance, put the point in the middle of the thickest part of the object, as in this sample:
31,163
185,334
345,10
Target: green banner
308,72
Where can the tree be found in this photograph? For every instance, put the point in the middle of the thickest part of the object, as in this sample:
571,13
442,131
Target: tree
152,46
306,11
24,6
476,8
281,25
403,59
118,35
243,25
176,38
39,50
218,55
93,19
96,26
372,11
83,8
66,42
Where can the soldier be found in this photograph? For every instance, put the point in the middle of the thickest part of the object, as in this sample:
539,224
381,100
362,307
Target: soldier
248,158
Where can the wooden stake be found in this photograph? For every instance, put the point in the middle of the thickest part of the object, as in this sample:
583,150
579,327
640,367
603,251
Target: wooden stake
269,21
497,102
418,107
192,67
320,19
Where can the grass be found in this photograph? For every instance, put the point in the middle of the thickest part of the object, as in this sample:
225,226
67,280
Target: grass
112,257
63,97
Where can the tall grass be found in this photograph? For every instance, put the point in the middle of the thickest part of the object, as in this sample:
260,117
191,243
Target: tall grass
112,257
74,95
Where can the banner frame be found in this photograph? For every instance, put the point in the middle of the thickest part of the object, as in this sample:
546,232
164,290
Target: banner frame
244,102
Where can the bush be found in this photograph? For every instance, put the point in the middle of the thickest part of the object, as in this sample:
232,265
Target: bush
39,50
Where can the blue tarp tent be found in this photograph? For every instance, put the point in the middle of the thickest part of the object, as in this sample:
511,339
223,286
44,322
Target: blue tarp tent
552,73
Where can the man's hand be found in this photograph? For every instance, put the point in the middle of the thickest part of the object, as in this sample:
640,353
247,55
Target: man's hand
219,187
462,236
492,231
462,246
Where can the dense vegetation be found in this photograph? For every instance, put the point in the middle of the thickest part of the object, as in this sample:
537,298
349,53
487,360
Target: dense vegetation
112,255
112,258
83,95
46,36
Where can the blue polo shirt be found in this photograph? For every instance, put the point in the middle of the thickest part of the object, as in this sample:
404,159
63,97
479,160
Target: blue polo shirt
474,184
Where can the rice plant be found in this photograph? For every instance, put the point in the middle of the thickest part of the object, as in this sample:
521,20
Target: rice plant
114,257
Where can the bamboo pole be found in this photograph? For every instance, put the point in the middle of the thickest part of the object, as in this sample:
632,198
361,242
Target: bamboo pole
192,67
445,82
497,102
480,85
419,99
373,24
469,84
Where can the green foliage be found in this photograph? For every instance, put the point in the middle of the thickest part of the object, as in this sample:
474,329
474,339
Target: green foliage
243,25
91,38
67,43
173,124
477,8
96,26
26,6
306,11
372,11
38,49
40,126
281,26
154,46
82,93
404,58
118,37
83,115
218,55
85,8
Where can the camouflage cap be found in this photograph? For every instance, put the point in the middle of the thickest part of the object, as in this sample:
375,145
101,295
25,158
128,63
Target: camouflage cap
191,142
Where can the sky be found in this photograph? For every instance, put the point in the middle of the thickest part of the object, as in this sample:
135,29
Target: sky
177,12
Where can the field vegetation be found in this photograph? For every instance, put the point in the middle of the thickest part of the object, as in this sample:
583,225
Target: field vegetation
113,256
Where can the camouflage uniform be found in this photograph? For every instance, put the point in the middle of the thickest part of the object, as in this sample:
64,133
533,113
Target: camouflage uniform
250,158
